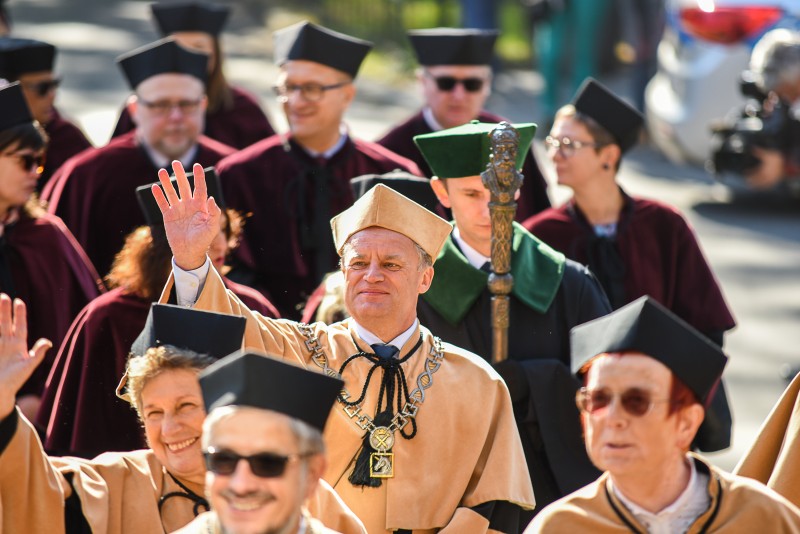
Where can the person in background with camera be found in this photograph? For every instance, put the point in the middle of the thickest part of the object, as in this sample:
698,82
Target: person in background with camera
634,246
776,62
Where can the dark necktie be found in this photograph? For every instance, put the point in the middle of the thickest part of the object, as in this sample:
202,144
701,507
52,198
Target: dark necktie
386,352
487,267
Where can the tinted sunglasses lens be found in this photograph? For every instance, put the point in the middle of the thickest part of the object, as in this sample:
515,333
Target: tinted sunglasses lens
222,463
268,465
636,402
445,83
43,88
473,85
597,400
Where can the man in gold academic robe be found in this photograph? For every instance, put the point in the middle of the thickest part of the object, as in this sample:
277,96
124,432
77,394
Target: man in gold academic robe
429,442
648,377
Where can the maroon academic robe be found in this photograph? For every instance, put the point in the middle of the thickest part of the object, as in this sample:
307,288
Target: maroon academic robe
52,275
287,246
81,388
66,140
240,126
533,194
94,192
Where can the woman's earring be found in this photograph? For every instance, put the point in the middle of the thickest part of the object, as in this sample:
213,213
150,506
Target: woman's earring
606,166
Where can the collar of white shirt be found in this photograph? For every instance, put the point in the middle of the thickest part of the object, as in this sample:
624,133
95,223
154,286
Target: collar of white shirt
162,162
475,258
337,146
433,124
372,339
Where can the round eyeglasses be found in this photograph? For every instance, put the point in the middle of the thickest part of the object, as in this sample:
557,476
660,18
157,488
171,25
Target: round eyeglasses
312,92
635,401
567,146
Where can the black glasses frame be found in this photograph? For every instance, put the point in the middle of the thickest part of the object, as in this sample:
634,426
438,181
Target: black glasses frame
448,83
637,402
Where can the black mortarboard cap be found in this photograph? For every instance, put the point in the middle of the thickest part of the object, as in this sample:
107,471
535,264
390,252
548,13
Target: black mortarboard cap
162,57
21,56
190,17
13,107
215,334
413,187
150,209
648,327
453,46
310,42
260,381
622,120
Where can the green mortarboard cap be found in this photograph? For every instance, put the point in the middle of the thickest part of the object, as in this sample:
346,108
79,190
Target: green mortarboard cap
464,150
648,327
260,381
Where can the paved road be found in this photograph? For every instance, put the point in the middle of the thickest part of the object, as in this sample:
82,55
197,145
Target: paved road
752,242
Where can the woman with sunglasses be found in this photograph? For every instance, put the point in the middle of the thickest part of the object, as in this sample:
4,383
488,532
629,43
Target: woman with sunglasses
233,116
31,63
159,489
40,261
634,246
97,346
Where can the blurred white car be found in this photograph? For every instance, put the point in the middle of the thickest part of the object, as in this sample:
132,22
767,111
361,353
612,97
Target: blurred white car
705,47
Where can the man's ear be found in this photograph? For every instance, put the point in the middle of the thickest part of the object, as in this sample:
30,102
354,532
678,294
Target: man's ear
439,187
132,105
689,420
316,467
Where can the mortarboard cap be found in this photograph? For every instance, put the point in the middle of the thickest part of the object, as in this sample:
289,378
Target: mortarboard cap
646,326
260,381
150,209
464,150
453,46
384,207
190,17
621,119
413,187
162,57
13,107
21,56
215,334
310,42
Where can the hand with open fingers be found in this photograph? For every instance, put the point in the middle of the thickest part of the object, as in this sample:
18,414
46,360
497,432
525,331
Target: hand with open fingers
191,219
16,361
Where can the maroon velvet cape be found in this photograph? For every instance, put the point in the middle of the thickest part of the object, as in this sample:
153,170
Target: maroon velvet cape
241,126
80,410
53,276
660,253
274,180
533,194
66,140
94,193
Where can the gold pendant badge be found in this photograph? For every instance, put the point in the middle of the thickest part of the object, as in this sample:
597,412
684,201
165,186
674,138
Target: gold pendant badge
381,465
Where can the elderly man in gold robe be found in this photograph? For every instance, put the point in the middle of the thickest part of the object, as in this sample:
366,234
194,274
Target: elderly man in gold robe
648,377
423,437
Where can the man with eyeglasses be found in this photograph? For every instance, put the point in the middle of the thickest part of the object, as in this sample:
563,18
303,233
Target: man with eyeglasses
262,441
648,378
456,78
94,192
31,63
294,183
550,296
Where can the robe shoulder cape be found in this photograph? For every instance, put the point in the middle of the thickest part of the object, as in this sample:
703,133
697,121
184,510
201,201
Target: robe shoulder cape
533,193
774,456
94,193
275,181
465,457
550,296
115,493
240,126
81,388
53,276
738,504
65,141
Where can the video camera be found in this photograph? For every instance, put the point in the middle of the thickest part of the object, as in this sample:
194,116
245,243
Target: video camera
763,122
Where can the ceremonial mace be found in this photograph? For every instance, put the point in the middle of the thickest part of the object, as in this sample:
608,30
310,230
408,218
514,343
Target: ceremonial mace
503,180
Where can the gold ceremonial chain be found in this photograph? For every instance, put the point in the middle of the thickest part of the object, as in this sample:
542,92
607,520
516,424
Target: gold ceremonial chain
380,437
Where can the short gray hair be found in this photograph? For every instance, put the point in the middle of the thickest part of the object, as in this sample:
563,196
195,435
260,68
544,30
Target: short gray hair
776,59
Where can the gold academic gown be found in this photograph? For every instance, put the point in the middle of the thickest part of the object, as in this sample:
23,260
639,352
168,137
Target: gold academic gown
467,450
119,492
738,505
774,457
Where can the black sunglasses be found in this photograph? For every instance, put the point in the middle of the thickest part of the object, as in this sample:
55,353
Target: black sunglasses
42,89
637,402
29,161
448,83
264,464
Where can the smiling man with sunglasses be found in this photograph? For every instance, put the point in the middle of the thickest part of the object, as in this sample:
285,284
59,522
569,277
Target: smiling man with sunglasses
456,80
31,63
263,444
648,377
